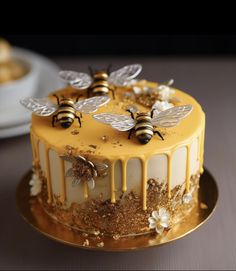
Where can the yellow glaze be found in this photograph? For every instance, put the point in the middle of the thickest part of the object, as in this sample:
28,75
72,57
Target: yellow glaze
118,147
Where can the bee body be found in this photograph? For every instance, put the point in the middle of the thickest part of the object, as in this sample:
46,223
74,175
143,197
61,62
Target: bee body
143,128
66,113
101,82
144,124
100,85
65,110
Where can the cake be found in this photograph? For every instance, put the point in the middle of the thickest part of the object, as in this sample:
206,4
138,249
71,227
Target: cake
94,179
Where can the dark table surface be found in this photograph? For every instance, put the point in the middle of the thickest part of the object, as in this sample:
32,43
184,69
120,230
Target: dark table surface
212,81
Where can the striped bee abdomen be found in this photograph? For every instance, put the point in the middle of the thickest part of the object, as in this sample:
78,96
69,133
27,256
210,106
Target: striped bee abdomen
100,84
143,128
65,115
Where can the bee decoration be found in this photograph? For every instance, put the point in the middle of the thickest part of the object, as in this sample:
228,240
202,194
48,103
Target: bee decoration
84,169
65,110
101,82
144,124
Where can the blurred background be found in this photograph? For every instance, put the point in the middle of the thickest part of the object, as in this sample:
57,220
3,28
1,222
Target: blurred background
137,44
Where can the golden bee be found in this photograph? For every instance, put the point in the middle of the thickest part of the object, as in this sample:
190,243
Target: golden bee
144,124
65,110
84,169
101,82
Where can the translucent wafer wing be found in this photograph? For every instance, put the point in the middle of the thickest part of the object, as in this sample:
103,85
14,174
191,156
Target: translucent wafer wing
119,122
92,104
101,166
172,116
41,107
78,80
76,181
122,76
91,183
70,173
70,159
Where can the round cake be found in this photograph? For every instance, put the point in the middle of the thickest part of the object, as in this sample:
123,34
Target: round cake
100,178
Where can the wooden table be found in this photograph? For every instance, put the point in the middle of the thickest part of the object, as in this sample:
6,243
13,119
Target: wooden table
212,81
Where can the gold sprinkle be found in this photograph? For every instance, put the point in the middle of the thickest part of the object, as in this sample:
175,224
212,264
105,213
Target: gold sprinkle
203,206
123,218
104,138
86,243
75,132
96,232
93,146
85,234
101,244
116,237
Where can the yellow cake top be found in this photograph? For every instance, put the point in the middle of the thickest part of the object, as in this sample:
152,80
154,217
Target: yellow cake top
101,140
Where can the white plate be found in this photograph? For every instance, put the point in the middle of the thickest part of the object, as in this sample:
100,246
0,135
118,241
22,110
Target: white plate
15,120
15,130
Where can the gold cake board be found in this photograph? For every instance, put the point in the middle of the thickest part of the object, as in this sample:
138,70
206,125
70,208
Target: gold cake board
33,213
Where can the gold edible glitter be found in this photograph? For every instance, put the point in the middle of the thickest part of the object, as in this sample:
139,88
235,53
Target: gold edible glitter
203,206
126,215
116,237
101,244
75,132
96,232
104,138
86,243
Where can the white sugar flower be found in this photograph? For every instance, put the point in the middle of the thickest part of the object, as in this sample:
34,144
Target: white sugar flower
165,92
161,106
36,185
159,220
137,90
142,90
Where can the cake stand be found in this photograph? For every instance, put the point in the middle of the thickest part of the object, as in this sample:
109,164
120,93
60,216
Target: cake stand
33,213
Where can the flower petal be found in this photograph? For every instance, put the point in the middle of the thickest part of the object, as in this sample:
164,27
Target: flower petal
151,220
162,211
159,230
165,217
164,224
152,225
155,215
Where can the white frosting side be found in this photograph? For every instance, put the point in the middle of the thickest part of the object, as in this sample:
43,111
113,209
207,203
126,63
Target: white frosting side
157,168
55,174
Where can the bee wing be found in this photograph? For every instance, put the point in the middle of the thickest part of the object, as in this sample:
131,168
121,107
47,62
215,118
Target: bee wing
172,116
78,80
122,76
41,107
101,169
101,166
69,173
119,122
70,159
91,105
91,183
76,181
